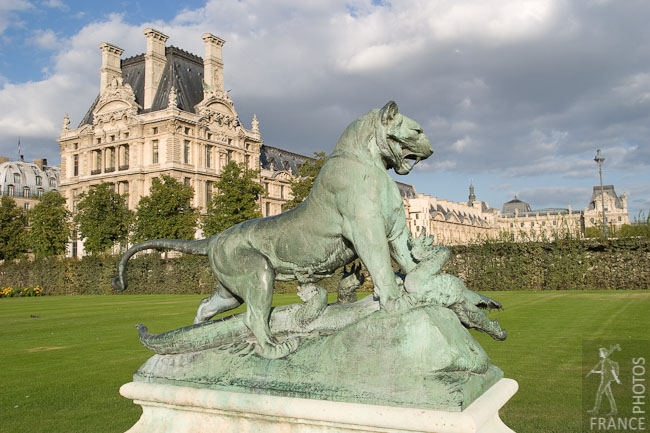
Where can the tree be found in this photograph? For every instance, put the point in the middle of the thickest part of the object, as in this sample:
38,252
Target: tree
13,224
235,201
103,218
301,186
166,212
49,226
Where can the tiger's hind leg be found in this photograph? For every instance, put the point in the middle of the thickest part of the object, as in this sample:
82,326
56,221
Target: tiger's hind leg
221,300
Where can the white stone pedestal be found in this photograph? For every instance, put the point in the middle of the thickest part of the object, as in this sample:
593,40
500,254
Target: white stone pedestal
168,408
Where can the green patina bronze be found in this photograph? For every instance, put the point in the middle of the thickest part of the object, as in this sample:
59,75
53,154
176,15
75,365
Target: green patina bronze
410,336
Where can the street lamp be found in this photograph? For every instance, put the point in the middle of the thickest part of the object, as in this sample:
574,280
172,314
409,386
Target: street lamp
599,160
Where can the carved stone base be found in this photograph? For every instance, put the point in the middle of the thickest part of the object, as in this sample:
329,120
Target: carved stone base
169,408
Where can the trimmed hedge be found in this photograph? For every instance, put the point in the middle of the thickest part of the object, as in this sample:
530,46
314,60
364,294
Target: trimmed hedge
563,264
612,264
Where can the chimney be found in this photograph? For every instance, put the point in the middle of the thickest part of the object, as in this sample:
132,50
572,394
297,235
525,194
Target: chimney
154,63
22,158
213,62
111,65
40,163
3,159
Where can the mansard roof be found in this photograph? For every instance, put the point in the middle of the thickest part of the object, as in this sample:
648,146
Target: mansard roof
27,173
608,190
516,204
406,190
183,70
272,158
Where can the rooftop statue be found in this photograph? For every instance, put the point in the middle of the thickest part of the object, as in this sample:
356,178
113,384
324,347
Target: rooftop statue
415,318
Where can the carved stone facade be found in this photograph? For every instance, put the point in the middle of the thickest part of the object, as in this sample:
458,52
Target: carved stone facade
165,112
474,220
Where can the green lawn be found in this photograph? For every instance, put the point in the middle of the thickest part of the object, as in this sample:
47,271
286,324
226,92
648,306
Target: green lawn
62,359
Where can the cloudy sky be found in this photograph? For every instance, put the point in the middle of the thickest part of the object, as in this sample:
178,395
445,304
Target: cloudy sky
515,95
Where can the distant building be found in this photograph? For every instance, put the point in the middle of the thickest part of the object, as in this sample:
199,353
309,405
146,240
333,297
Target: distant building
464,222
26,182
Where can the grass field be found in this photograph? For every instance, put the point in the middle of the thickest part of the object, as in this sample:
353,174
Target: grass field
63,359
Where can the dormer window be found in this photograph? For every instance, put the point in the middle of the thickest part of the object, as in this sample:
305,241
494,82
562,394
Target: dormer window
16,177
39,180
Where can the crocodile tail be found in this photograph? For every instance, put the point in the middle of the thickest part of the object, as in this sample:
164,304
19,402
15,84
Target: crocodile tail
199,247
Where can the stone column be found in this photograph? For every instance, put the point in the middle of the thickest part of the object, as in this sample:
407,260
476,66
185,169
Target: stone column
213,62
154,63
111,65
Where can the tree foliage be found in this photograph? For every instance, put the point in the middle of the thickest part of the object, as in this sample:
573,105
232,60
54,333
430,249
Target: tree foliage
49,226
235,200
103,218
301,186
13,224
166,212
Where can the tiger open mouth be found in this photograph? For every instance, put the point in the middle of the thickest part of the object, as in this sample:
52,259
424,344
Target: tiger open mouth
407,162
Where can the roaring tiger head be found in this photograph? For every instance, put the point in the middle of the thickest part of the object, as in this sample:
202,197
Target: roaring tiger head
400,140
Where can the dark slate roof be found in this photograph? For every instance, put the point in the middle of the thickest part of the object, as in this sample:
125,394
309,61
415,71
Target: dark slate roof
607,189
406,190
509,207
272,158
183,70
133,74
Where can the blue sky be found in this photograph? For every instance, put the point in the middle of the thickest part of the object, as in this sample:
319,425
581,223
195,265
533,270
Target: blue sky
516,95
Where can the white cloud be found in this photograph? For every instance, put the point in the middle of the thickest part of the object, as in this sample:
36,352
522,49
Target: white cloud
8,9
44,39
56,4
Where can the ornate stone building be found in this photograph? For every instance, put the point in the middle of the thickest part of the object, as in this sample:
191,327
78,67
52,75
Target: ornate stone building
465,222
166,112
26,182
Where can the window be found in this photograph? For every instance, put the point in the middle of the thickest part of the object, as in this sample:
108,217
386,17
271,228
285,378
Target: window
16,177
620,219
209,136
187,181
52,182
39,192
268,208
26,206
26,192
10,190
282,188
155,130
154,156
187,131
247,160
543,223
112,138
76,146
522,224
512,224
75,165
229,157
126,135
208,191
208,156
39,180
99,140
186,151
74,244
230,141
554,223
